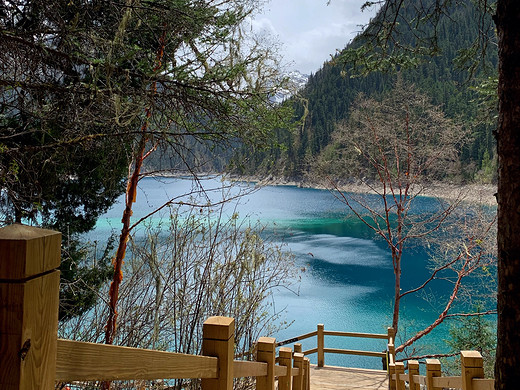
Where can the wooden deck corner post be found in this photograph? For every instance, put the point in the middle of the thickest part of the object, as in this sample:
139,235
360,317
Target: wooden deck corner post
413,369
298,363
307,364
472,366
392,383
285,360
266,353
29,305
218,339
390,364
321,345
433,370
399,369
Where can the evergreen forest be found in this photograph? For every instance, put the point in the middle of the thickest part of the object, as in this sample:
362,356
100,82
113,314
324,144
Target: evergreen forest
459,88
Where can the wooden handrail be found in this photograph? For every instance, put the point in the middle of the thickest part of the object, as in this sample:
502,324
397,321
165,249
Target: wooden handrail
34,357
356,334
297,338
80,361
471,378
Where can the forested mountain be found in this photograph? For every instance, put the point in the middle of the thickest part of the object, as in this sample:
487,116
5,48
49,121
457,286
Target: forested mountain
330,92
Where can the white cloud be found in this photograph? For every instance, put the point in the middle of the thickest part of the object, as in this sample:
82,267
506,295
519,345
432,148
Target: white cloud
309,30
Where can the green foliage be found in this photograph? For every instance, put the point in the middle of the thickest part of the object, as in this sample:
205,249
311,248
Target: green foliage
475,333
80,281
196,264
364,67
81,80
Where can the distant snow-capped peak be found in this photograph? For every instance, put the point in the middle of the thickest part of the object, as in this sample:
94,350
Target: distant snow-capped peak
295,82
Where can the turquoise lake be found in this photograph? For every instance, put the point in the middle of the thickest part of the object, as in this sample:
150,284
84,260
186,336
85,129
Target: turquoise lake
347,282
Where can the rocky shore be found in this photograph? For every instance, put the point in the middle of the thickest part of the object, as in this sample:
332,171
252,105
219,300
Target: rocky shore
474,193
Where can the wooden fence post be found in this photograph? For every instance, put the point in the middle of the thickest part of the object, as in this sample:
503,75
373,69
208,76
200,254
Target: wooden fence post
413,369
399,369
307,363
391,382
218,338
266,352
472,367
29,303
285,359
298,363
390,359
433,370
298,347
321,345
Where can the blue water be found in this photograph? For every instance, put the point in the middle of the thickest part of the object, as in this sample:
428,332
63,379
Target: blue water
346,274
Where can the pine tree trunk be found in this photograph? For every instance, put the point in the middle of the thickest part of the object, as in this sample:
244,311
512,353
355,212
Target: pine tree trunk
507,368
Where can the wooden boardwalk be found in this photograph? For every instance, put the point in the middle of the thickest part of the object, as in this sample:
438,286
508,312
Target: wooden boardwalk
341,378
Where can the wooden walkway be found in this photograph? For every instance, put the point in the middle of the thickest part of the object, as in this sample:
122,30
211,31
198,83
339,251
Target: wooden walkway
341,378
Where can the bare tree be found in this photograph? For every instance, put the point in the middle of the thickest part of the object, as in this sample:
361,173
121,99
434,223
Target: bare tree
400,145
194,264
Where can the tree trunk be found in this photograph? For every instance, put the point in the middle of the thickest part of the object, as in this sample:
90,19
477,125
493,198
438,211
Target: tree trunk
507,367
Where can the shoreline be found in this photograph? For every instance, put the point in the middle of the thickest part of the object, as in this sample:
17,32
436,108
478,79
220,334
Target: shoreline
475,193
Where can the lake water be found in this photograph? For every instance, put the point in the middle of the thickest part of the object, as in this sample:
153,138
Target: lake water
347,284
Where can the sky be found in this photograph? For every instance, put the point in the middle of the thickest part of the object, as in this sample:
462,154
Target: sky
309,31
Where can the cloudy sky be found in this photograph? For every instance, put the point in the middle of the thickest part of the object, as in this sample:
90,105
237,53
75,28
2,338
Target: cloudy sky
309,31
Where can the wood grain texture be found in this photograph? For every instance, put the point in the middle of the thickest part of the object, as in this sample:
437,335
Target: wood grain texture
26,251
218,340
340,378
244,369
78,360
355,334
354,352
29,299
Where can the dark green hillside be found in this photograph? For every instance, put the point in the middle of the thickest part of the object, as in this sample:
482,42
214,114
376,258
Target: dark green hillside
330,92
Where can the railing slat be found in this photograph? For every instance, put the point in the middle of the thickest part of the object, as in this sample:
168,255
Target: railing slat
448,381
280,371
78,360
310,351
483,384
243,368
356,334
297,338
420,379
354,352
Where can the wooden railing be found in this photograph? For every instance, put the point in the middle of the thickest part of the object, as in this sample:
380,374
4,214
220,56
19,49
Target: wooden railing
471,378
320,349
32,357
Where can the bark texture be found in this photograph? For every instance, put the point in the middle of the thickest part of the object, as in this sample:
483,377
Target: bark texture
507,368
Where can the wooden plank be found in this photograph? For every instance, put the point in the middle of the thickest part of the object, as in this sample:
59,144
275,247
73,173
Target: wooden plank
242,368
285,358
356,334
448,382
78,360
28,251
310,351
29,299
354,352
265,352
420,379
341,378
280,371
218,340
483,384
297,338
